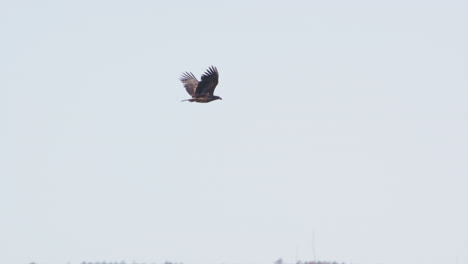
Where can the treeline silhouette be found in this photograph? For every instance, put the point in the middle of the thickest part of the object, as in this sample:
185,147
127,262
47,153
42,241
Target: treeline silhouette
281,261
319,262
124,262
119,262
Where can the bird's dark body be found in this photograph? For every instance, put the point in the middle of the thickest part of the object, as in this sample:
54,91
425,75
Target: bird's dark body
201,92
203,99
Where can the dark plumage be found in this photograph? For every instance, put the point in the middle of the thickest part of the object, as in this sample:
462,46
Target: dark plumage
201,92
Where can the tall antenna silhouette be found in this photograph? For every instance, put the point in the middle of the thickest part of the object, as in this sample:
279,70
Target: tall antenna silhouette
313,246
297,253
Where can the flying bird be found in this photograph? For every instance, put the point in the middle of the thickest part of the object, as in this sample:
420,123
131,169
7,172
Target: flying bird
201,92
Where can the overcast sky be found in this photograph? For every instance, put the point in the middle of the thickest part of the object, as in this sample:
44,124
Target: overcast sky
343,128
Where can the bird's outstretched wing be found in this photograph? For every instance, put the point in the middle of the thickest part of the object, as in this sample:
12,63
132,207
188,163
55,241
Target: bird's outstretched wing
208,82
190,82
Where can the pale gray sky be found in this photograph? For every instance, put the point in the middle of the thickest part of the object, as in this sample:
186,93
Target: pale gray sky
343,119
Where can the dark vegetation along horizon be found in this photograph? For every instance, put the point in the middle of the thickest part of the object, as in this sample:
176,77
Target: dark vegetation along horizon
279,261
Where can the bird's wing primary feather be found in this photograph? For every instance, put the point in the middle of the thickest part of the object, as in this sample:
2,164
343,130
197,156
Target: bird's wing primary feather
190,82
208,82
